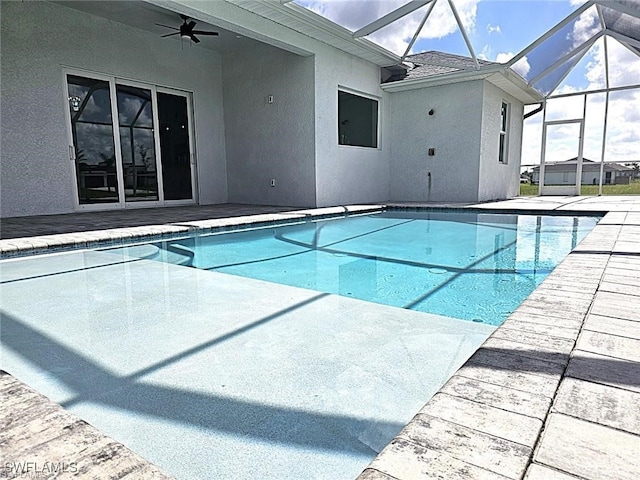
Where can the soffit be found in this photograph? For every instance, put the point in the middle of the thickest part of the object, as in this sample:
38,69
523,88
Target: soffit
315,26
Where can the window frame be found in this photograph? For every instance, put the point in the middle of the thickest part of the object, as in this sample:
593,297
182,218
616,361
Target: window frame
373,98
503,142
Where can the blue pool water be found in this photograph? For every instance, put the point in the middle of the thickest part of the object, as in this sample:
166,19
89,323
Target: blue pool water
470,266
210,374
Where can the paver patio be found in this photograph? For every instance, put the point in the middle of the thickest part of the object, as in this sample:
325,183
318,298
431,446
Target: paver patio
554,393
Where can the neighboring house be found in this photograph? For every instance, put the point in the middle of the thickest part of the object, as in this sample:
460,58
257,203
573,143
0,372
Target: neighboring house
283,108
564,173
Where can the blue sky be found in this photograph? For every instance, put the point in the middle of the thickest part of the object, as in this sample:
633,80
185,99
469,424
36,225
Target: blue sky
500,29
503,25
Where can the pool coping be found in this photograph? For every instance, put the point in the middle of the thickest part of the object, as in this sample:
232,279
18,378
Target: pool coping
554,392
541,373
63,242
42,244
67,446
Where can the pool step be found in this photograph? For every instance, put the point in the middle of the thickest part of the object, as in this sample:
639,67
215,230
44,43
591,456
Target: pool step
173,253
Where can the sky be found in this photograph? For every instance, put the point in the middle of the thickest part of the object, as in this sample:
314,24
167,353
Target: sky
498,30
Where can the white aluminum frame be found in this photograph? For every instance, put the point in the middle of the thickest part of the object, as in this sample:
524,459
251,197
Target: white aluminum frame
192,144
561,190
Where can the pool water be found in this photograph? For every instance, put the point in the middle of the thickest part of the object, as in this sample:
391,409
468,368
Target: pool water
210,374
476,267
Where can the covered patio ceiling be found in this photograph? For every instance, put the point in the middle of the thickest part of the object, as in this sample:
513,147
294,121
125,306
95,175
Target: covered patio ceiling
146,16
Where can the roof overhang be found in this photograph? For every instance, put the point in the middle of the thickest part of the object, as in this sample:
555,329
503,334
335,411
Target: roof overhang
499,75
306,22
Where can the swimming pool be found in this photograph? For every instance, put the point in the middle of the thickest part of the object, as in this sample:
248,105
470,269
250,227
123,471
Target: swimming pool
213,375
471,266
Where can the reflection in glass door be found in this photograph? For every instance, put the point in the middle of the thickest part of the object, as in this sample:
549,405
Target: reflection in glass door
93,147
174,144
137,143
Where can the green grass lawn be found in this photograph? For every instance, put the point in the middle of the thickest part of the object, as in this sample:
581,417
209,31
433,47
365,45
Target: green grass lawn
633,188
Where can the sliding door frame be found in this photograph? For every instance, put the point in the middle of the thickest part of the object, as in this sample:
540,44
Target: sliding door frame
122,203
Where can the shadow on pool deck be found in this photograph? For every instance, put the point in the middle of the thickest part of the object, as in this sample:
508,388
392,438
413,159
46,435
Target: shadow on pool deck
93,383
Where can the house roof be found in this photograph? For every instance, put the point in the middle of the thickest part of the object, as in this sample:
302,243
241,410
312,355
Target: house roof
429,64
570,165
438,68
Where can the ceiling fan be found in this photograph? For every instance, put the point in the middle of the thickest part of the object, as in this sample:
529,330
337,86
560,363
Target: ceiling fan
186,30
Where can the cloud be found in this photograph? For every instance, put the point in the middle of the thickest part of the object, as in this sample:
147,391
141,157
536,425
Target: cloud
493,29
521,67
355,14
586,26
486,52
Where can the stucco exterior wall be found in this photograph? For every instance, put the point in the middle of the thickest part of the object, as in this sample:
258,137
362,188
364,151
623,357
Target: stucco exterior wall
265,140
38,40
453,130
343,175
348,174
499,180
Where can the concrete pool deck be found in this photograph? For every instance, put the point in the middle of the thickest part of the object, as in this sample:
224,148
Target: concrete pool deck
554,393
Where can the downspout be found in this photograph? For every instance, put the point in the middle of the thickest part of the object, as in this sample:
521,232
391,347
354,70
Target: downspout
533,112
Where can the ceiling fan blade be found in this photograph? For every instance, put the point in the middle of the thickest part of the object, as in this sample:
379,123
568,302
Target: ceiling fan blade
167,26
191,24
202,32
171,34
194,39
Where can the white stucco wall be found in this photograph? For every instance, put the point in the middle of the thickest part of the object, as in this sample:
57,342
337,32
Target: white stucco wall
38,40
454,132
269,141
499,180
343,175
347,174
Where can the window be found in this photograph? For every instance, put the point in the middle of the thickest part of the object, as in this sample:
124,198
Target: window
504,133
357,120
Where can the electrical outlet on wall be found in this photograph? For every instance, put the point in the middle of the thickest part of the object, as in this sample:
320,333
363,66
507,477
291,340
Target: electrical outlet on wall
273,182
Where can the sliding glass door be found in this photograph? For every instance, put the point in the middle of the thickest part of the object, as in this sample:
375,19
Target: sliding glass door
121,158
93,147
137,143
177,174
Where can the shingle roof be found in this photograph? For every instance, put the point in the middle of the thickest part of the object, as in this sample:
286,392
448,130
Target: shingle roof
432,63
570,165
